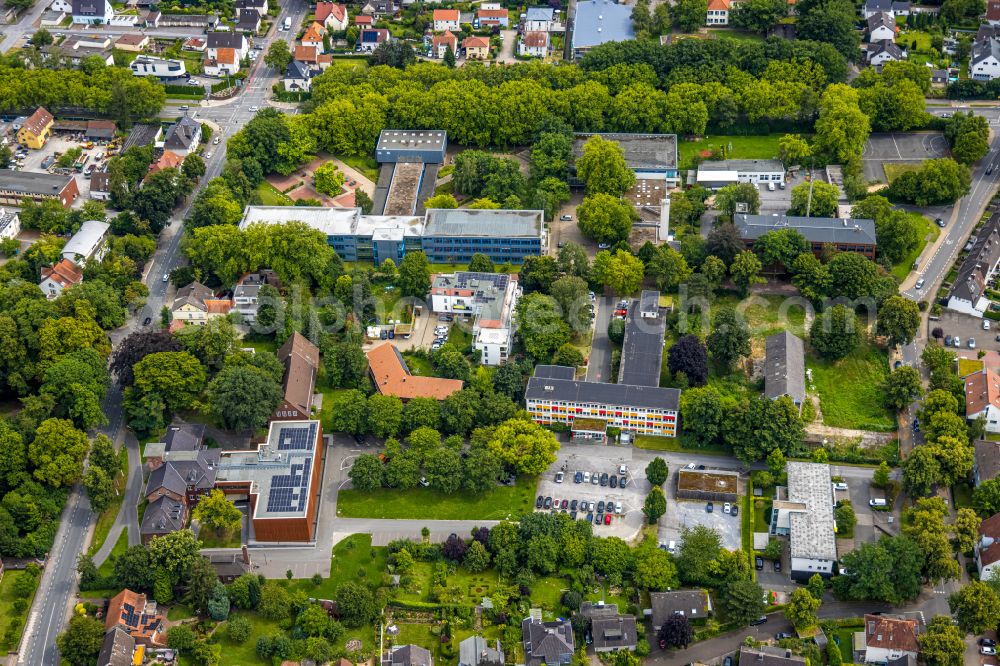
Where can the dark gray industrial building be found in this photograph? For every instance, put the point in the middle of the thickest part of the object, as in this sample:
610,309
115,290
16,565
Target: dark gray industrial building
427,146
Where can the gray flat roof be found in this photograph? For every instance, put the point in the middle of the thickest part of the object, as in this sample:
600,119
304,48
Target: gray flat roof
642,151
642,349
490,223
600,21
554,372
31,182
745,166
814,229
599,393
411,140
812,535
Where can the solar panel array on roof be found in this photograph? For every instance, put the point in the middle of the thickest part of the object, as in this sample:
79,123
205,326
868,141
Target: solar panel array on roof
498,280
289,492
297,439
129,616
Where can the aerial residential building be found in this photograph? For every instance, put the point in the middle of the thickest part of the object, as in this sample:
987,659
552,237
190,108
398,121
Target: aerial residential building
534,44
784,367
883,51
92,12
982,398
765,655
100,186
408,655
887,638
490,299
993,12
183,136
59,277
391,376
118,648
15,186
846,235
134,42
539,19
184,476
280,480
968,290
137,616
881,26
196,304
370,38
476,48
896,8
986,463
10,223
36,130
159,67
168,160
249,21
222,39
259,6
719,173
692,604
488,18
987,550
298,77
307,55
332,15
613,633
90,243
547,643
301,360
476,651
364,21
598,22
313,35
718,12
807,518
441,43
447,19
225,62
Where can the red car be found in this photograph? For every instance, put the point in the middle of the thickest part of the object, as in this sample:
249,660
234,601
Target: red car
607,519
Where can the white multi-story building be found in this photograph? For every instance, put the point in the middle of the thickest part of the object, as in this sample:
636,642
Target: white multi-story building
718,12
968,291
90,243
719,173
161,67
806,516
539,19
10,223
490,298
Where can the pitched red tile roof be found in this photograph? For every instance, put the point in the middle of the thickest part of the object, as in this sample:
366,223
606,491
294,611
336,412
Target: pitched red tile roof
447,38
981,390
891,633
314,33
128,610
718,5
393,378
990,528
65,273
363,19
167,160
536,38
226,56
305,53
446,15
38,121
476,42
492,13
326,9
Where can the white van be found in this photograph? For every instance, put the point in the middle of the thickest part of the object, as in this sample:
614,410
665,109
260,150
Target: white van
877,502
288,23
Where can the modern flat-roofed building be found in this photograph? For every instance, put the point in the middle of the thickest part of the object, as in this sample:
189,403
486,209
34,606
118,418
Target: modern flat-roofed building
15,186
650,156
490,298
806,516
554,396
165,68
10,223
90,243
769,656
446,236
599,21
281,481
846,235
718,173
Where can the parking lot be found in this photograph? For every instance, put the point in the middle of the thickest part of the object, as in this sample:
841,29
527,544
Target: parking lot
912,147
967,327
602,460
60,143
690,513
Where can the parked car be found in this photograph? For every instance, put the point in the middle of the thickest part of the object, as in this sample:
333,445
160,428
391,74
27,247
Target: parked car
956,341
947,340
613,481
986,324
565,505
145,322
727,508
595,478
566,218
590,517
599,519
782,635
709,508
761,620
604,479
548,503
444,317
623,482
600,507
988,650
592,507
572,505
578,477
777,566
728,661
736,511
972,343
603,246
920,284
988,642
559,477
253,109
840,485
360,439
758,563
586,477
607,521
619,509
539,502
939,222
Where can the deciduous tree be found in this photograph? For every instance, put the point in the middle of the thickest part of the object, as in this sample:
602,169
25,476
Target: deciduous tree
524,445
603,169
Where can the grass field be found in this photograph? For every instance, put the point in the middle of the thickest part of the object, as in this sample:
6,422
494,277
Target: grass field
676,444
418,365
9,619
107,568
894,170
849,391
366,165
928,234
760,513
212,539
270,196
426,503
743,148
735,34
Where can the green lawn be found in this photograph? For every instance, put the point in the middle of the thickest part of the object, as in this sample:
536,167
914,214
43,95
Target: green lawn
764,316
849,391
735,34
366,165
354,558
213,539
743,148
418,365
260,345
677,445
962,495
107,517
427,503
270,196
894,170
967,366
121,546
760,514
349,62
928,234
10,620
846,637
245,653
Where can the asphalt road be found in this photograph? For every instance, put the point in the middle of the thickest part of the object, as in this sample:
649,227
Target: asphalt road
599,362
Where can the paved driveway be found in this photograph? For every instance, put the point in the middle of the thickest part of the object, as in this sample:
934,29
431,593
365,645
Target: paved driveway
599,362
